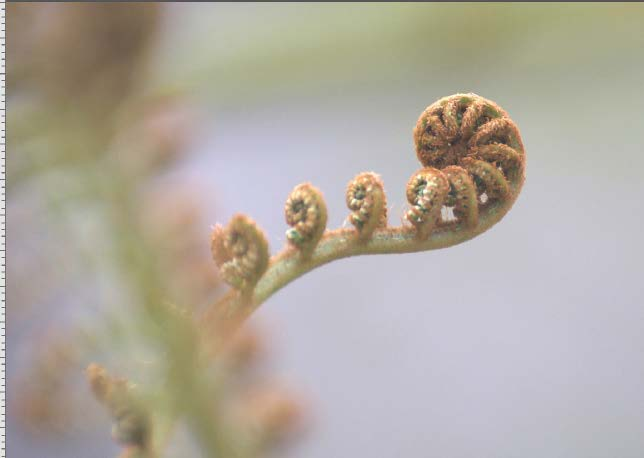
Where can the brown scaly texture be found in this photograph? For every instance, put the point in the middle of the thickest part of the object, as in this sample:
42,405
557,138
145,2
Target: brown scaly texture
240,250
426,191
473,143
367,200
306,213
462,195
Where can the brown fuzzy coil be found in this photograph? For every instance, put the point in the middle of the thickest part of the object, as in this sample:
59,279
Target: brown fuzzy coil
367,200
240,250
305,211
477,149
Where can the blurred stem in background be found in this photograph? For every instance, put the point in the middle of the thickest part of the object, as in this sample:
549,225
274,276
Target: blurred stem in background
76,86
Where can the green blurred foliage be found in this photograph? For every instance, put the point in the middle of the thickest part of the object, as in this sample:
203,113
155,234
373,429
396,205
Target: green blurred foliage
243,51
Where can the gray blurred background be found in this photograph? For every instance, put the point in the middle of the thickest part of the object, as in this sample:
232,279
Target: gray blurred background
523,342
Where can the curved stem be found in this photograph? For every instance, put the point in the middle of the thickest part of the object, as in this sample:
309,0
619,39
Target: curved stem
290,263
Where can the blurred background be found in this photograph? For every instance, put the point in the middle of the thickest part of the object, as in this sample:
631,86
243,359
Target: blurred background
133,128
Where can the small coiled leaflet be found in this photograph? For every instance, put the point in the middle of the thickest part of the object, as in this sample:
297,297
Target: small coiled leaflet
426,191
367,200
240,250
305,211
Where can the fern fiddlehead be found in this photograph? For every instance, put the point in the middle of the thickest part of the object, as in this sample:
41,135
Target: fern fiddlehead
478,147
473,166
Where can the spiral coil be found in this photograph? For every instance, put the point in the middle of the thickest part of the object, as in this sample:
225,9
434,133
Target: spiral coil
240,250
471,143
305,211
366,199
